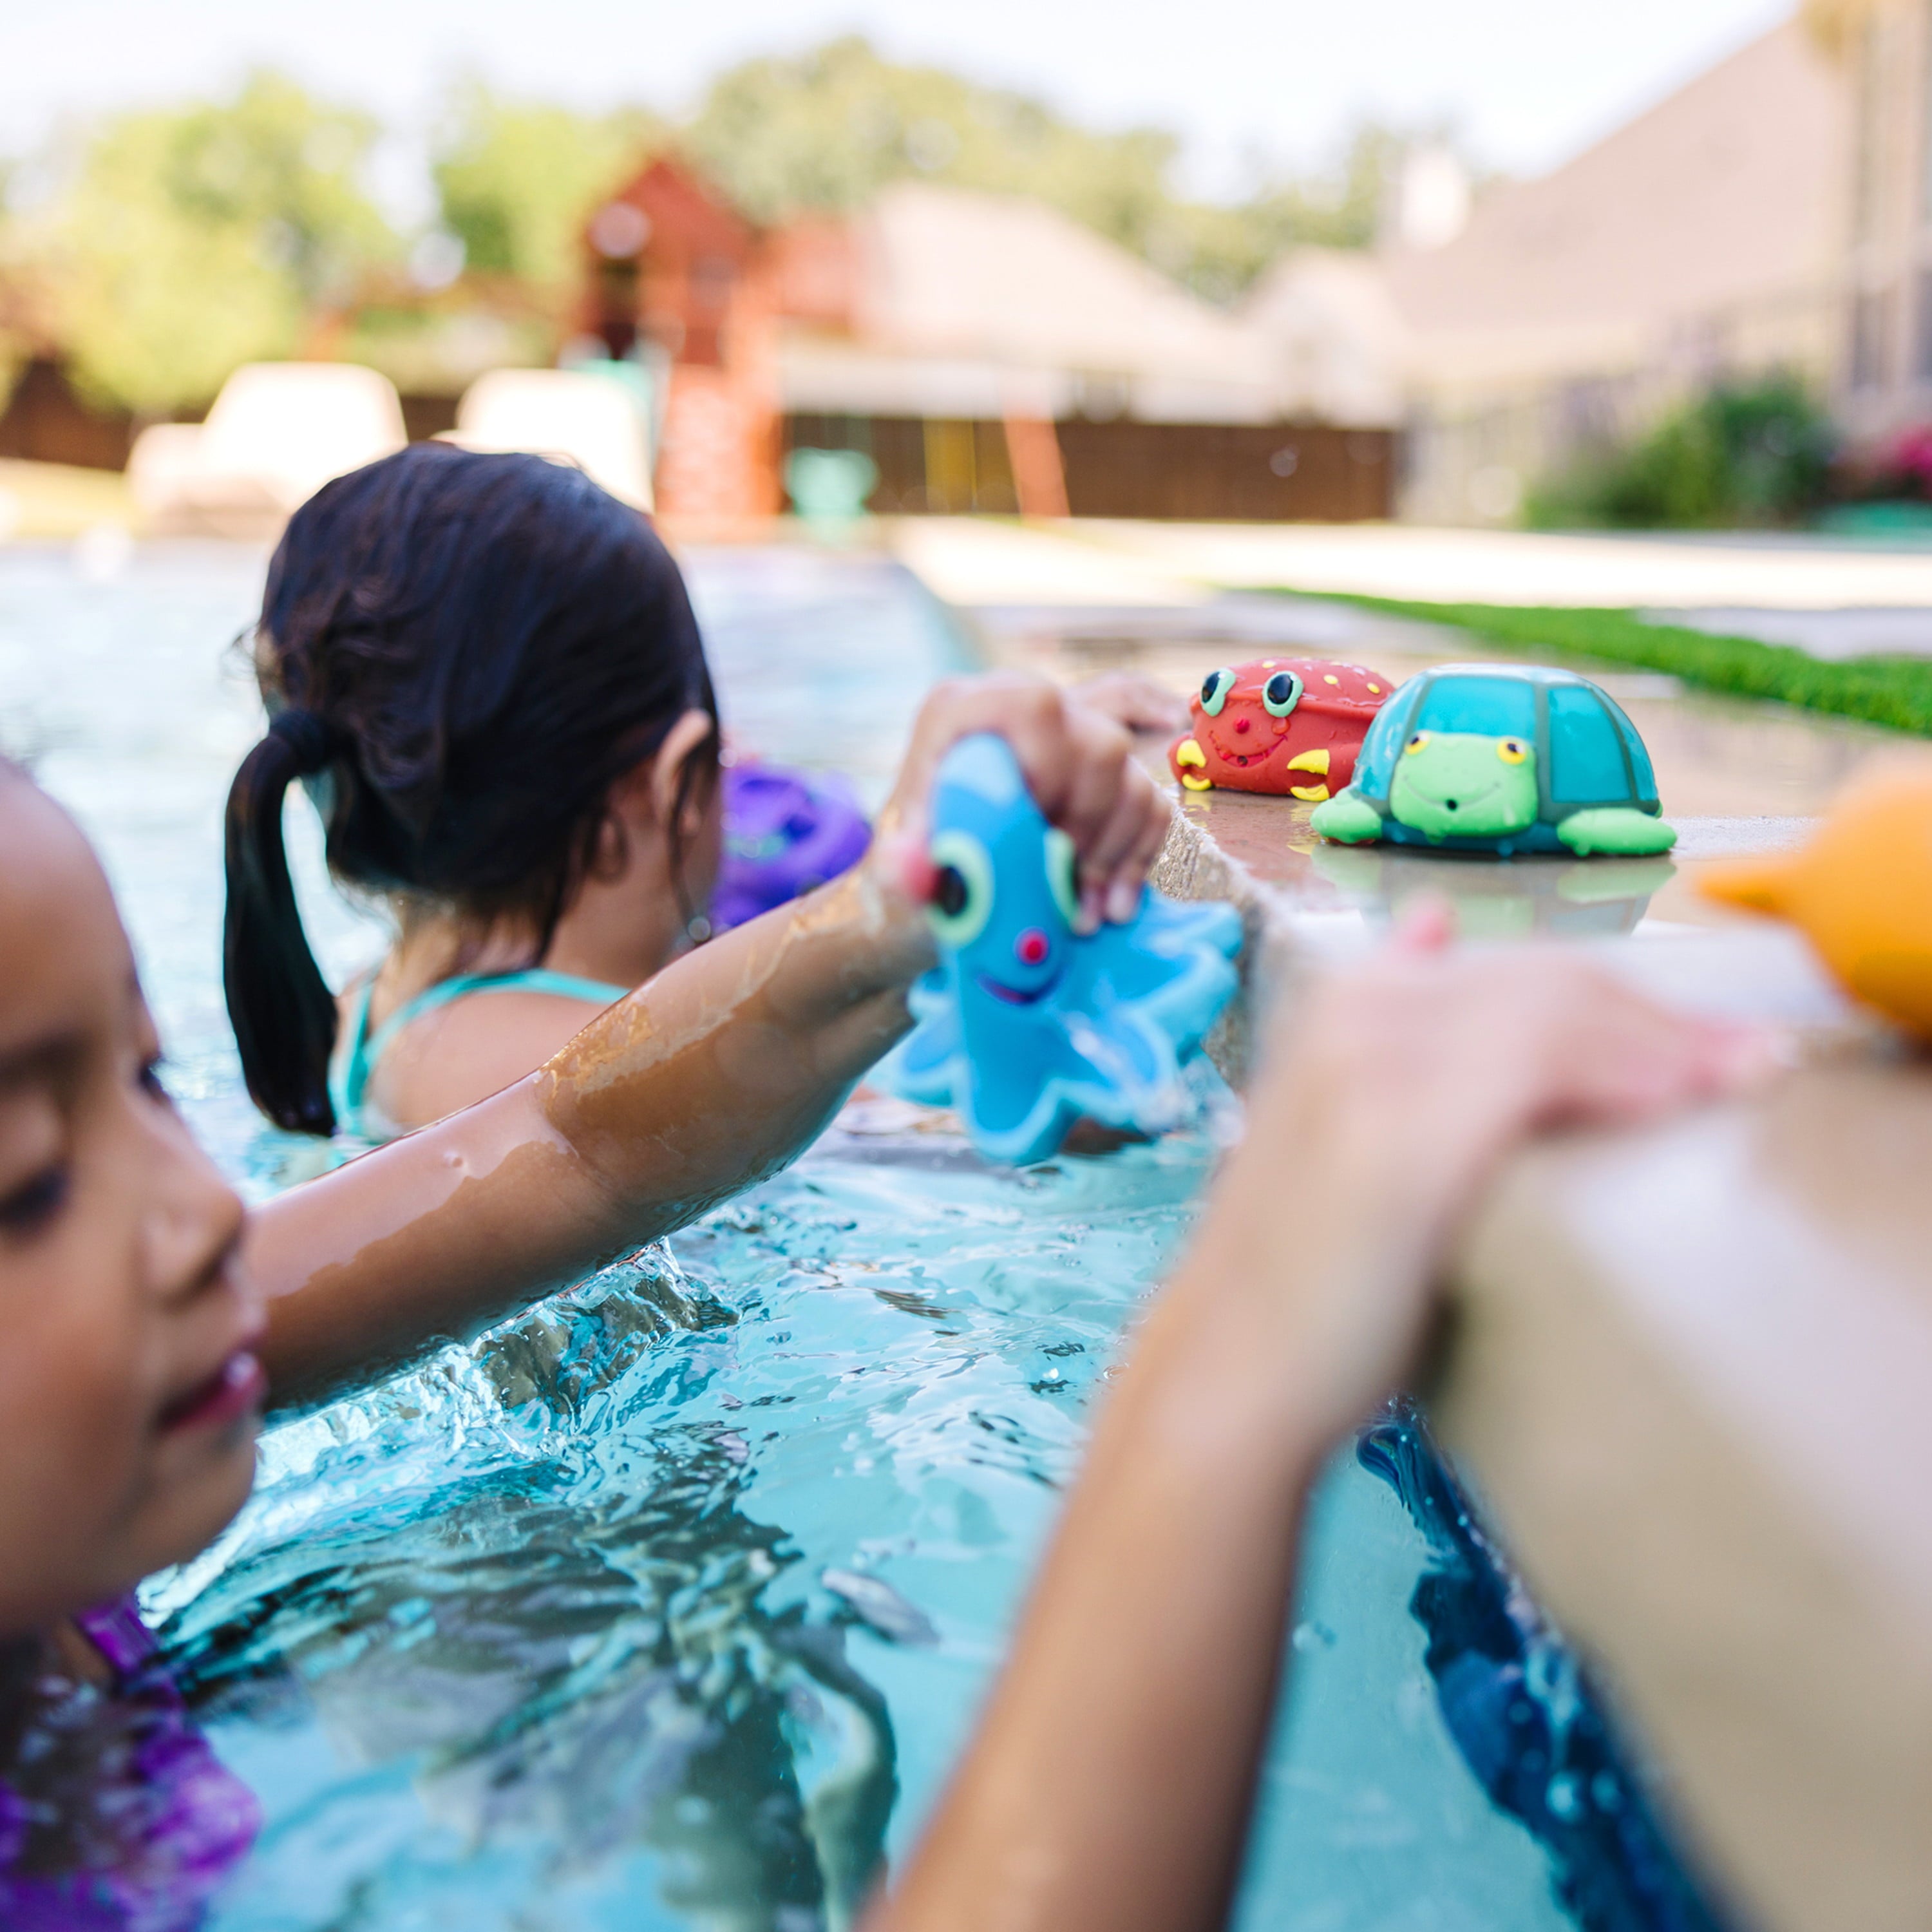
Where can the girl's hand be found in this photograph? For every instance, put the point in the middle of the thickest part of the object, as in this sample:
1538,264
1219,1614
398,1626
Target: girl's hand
1078,765
1388,1099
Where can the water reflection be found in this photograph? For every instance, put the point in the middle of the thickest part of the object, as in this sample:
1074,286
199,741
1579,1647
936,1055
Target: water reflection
1578,898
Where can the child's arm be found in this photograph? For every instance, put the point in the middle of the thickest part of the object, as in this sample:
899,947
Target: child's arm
1109,1788
713,1074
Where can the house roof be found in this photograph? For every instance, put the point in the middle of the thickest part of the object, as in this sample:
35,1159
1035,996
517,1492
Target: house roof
1000,303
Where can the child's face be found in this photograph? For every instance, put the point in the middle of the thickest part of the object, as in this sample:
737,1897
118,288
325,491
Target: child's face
129,1396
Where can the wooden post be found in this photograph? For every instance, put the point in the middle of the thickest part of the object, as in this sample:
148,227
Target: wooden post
1039,478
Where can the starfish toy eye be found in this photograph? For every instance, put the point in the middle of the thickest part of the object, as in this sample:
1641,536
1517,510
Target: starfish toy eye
962,901
1214,689
1060,878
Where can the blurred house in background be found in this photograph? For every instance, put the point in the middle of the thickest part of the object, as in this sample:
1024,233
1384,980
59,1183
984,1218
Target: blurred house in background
1884,48
984,352
962,351
969,330
1706,240
681,285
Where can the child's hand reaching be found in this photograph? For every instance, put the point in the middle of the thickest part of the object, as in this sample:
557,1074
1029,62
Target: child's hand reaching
1079,766
1426,1065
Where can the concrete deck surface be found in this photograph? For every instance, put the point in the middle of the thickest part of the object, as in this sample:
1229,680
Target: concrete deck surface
1452,566
1833,597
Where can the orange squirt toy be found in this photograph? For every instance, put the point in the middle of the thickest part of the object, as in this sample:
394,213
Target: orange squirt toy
1289,726
1860,891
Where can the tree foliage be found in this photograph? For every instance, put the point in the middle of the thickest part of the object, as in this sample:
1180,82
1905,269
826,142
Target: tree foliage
517,180
827,129
189,240
181,241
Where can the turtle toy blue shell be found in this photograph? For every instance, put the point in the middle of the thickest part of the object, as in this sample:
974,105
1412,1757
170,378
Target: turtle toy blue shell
1026,1025
1505,759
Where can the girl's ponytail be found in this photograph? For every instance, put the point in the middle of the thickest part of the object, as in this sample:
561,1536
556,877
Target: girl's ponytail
280,1007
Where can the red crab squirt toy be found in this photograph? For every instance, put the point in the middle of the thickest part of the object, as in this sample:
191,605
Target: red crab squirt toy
1290,726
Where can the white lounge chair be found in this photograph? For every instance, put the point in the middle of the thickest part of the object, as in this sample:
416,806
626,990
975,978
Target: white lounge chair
597,422
278,432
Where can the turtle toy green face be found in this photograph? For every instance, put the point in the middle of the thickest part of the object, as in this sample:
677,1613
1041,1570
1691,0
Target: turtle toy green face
1501,758
1450,783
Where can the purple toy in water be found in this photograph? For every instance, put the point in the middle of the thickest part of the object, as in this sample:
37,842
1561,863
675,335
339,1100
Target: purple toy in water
785,833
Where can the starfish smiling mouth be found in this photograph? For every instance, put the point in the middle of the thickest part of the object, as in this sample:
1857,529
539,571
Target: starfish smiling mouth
1014,996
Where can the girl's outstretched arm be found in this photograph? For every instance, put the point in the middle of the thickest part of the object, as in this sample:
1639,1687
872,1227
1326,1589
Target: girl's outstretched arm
707,1077
1109,1787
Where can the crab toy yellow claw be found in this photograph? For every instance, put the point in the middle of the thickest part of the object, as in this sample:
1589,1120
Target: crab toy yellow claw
1189,758
1316,762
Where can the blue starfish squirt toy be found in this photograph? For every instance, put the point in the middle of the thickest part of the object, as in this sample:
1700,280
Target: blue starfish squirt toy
1024,1025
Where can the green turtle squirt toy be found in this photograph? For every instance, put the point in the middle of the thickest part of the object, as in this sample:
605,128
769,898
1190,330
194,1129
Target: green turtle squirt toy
1501,758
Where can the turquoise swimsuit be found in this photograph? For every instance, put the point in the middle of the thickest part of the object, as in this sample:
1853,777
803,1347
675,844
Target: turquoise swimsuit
356,1060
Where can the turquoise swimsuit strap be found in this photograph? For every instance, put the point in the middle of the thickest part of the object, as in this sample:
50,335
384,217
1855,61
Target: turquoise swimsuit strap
348,1079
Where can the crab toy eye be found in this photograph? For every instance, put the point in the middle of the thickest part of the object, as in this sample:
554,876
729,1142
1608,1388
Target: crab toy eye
962,900
1060,874
1512,750
1281,694
1416,740
1214,689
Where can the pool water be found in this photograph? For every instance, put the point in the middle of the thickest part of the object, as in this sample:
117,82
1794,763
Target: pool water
669,1604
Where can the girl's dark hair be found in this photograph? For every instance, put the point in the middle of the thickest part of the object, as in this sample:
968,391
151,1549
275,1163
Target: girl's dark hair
461,654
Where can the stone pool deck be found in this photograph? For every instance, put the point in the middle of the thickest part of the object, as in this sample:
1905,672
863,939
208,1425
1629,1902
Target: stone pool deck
1689,1371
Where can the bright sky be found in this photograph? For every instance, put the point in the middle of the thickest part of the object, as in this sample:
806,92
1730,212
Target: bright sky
1528,81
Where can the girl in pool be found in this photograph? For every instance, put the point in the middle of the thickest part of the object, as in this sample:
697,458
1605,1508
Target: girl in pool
487,673
146,1316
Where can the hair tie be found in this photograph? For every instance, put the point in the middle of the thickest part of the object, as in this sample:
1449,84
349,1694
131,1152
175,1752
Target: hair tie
311,739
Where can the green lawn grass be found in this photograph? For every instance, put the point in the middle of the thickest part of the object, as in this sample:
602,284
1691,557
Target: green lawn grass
1893,692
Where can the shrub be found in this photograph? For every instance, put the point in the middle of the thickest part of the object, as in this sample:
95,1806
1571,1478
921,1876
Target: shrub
1753,454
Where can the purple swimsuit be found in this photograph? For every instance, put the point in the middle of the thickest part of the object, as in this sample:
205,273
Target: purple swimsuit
145,1825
